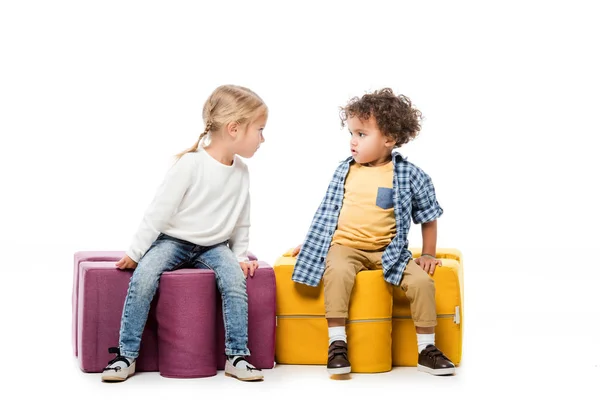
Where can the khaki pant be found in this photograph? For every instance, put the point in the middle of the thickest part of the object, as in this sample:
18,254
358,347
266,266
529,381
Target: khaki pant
343,263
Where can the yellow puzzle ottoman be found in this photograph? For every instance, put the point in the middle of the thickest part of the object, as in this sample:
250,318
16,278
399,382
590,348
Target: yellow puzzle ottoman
302,336
448,280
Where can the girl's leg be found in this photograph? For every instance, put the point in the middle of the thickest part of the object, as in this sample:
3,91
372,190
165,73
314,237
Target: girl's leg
232,285
163,255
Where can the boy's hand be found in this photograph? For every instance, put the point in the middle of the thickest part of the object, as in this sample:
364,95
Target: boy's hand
249,266
296,250
126,263
428,264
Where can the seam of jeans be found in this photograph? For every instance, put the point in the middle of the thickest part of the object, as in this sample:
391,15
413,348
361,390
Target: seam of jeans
217,278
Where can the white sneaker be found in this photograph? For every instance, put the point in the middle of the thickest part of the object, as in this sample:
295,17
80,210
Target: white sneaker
241,369
119,368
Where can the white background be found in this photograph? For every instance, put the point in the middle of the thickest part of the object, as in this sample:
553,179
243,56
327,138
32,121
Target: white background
96,98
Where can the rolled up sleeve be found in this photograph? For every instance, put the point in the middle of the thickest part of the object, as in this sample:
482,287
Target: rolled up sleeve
425,207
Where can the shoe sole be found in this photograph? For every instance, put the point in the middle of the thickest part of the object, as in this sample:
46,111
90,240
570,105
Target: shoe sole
249,379
115,378
436,372
339,371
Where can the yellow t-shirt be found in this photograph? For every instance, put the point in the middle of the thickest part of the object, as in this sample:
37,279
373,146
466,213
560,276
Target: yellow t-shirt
367,220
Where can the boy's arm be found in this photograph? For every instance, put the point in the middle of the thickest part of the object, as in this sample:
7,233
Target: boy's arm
429,232
298,248
426,211
427,261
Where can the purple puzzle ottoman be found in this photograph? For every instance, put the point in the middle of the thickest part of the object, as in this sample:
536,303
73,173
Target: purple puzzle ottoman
91,256
185,314
99,290
261,319
102,291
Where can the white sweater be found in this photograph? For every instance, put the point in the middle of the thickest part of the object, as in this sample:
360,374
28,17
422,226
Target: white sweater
202,201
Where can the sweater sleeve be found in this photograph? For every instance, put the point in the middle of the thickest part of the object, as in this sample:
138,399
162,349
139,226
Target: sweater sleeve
240,238
166,200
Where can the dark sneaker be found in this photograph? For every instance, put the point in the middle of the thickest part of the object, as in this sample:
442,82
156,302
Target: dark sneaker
119,368
337,361
238,367
433,361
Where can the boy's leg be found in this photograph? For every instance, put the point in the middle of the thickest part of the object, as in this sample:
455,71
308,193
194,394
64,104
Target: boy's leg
341,266
420,291
232,286
163,255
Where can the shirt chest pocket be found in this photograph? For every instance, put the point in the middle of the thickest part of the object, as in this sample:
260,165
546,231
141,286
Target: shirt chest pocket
385,198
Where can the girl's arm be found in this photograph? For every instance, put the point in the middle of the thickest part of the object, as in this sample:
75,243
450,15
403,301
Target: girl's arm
240,238
165,202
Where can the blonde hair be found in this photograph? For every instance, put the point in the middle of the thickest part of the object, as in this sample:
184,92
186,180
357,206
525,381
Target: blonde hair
226,104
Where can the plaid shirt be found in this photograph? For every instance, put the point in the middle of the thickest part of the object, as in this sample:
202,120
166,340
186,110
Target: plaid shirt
414,197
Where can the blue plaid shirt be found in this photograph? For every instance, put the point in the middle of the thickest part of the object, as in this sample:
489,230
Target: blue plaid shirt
414,197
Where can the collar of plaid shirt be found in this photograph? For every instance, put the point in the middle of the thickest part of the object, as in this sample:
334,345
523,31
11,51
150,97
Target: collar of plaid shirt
408,181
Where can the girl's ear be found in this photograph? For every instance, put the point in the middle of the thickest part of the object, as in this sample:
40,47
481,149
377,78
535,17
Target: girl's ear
232,129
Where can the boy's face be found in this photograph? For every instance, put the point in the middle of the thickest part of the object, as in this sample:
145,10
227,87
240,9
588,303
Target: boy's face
368,145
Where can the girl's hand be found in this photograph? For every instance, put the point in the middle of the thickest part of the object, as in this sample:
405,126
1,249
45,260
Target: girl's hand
126,263
296,250
428,263
249,266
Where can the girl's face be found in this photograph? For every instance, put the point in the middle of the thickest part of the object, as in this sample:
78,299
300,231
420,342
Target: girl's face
249,141
367,144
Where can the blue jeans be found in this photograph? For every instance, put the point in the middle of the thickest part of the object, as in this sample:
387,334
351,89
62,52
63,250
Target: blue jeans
167,254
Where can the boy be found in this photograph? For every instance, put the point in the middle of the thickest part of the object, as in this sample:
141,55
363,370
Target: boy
363,223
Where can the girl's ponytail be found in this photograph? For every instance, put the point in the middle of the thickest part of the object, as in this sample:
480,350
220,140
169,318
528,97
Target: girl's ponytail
197,144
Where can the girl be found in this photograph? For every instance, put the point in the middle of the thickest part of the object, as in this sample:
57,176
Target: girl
200,217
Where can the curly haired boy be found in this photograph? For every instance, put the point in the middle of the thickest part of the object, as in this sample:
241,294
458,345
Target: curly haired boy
363,223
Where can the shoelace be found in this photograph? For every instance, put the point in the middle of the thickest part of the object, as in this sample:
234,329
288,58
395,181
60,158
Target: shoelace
337,351
119,357
249,367
433,354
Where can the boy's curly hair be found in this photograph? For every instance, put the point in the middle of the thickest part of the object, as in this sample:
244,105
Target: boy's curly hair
395,115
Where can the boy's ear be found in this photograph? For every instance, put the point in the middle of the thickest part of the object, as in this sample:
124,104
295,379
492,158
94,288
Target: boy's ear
233,128
390,142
